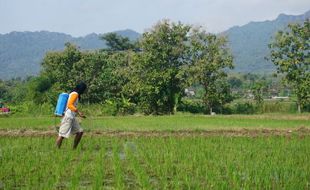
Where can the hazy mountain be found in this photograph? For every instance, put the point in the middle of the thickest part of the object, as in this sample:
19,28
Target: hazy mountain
249,43
22,52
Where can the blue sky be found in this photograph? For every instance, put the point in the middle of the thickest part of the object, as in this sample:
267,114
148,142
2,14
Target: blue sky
81,17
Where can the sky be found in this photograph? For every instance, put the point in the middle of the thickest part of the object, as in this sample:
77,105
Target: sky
82,17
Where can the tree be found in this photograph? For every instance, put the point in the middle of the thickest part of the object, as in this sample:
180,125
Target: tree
38,90
58,67
257,90
89,69
100,70
116,42
210,56
290,53
158,71
235,82
17,89
3,90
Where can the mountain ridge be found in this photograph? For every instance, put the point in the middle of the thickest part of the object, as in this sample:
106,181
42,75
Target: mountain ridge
249,43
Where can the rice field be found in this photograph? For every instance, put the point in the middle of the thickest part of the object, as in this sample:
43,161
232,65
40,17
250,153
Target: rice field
164,123
275,161
157,163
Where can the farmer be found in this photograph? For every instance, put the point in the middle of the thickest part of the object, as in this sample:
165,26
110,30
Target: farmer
69,124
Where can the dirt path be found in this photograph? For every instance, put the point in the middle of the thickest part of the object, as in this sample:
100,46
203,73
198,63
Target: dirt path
180,133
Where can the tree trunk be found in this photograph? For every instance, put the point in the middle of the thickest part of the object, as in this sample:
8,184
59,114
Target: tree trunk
298,104
176,102
298,107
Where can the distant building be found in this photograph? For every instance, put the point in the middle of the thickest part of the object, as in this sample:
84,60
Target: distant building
280,97
189,92
249,95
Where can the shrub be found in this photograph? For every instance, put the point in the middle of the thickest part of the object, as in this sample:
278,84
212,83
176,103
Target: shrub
192,106
30,108
244,108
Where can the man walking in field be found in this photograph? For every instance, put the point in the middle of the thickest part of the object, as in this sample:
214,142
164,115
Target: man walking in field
69,124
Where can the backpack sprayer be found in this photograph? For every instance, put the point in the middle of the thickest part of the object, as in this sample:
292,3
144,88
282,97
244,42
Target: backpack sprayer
61,106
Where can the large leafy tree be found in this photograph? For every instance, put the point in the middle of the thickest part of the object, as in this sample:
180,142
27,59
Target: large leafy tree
117,42
100,70
38,90
58,66
210,57
89,69
158,73
3,90
290,53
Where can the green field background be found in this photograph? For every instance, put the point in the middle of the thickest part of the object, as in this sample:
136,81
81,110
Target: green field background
175,122
156,163
161,162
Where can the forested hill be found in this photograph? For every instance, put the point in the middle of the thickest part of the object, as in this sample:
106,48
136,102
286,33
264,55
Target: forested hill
22,52
249,43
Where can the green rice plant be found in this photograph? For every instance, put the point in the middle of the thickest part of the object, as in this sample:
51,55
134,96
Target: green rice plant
119,178
218,162
98,178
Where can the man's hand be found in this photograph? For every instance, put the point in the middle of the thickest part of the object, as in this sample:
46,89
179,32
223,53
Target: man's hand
81,114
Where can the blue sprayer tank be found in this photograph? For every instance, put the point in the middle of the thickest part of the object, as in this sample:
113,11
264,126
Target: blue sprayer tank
61,104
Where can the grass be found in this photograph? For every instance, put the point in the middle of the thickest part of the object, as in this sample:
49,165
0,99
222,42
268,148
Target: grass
156,163
158,123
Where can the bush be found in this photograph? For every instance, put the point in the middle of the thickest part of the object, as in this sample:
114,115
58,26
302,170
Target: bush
241,108
107,109
306,108
30,108
279,107
192,106
111,107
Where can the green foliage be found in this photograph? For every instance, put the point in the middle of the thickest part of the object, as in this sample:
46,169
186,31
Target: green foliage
235,82
3,91
279,107
17,91
30,108
290,53
58,66
158,72
116,42
115,107
38,90
150,76
210,56
257,90
273,162
99,70
245,108
191,106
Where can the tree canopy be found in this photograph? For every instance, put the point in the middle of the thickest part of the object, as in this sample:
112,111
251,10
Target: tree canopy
290,53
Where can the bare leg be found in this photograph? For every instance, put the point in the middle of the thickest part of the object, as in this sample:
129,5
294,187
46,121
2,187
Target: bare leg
59,141
77,139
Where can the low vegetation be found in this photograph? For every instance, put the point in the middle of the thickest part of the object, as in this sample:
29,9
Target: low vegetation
157,163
